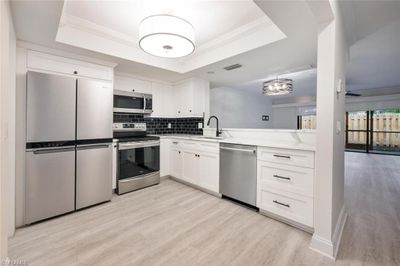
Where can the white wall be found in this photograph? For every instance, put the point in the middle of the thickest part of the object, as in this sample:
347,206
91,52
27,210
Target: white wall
285,117
238,108
329,209
7,128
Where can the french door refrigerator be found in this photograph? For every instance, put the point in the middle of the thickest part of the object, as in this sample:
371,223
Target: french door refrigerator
69,144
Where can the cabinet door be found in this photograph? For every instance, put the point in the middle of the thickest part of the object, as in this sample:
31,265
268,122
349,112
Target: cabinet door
164,104
175,163
209,171
132,84
164,157
190,167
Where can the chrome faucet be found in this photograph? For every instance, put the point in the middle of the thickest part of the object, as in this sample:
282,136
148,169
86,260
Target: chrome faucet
219,132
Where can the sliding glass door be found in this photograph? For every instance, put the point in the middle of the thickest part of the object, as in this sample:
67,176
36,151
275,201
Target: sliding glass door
357,127
385,135
376,131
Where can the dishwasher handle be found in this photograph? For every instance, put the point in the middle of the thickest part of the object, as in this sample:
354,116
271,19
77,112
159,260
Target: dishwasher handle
237,149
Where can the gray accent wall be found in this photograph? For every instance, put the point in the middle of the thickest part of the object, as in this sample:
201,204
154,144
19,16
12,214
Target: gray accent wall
240,108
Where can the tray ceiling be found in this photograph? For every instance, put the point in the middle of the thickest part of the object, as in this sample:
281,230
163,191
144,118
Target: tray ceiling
222,29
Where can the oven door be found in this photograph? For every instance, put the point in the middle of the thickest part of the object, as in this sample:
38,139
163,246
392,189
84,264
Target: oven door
138,159
126,102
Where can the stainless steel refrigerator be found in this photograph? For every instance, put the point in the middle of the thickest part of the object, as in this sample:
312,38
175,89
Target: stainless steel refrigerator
69,144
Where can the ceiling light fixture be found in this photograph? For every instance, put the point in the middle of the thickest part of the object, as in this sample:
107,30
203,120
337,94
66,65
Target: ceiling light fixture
277,87
166,36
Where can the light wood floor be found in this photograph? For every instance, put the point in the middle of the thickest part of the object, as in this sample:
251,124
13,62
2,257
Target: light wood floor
172,224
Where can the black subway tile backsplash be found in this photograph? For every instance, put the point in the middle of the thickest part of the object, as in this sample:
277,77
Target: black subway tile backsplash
187,125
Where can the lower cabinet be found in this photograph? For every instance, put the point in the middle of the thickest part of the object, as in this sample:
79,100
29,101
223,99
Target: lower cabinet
176,159
208,174
190,166
285,187
198,165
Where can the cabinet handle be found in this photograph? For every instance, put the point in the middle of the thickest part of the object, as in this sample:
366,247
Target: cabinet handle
280,203
133,90
75,72
179,112
190,110
282,156
179,152
282,177
174,142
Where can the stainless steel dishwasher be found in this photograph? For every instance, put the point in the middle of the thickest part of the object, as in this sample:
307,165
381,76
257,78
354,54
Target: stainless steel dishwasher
238,172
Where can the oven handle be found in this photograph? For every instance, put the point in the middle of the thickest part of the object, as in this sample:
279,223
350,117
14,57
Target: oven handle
141,144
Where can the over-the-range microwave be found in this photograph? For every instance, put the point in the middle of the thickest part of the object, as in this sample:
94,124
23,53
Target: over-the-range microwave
132,102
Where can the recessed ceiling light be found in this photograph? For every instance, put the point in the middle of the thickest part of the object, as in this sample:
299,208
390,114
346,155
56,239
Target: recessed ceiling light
166,36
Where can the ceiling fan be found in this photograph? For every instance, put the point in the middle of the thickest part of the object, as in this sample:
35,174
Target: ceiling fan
349,93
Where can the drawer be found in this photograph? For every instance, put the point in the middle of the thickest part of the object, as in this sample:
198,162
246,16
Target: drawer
175,144
287,157
187,144
209,147
299,209
293,179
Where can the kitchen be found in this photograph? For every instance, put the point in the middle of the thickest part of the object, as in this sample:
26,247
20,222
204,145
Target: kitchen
169,142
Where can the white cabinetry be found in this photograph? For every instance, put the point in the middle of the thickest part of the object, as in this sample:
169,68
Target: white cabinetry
190,165
163,100
126,83
189,98
175,160
192,97
165,145
209,171
43,62
285,184
195,162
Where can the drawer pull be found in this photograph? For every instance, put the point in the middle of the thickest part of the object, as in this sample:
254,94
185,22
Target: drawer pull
282,156
282,177
280,203
174,142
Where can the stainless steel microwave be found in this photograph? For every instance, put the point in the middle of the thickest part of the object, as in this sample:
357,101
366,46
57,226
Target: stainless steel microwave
132,102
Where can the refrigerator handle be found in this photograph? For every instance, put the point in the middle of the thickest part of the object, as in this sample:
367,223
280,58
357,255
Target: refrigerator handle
93,146
44,151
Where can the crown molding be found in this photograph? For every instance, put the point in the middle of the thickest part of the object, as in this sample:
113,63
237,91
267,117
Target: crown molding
83,33
44,49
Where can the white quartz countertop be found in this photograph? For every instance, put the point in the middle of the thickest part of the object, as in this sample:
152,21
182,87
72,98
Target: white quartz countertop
245,141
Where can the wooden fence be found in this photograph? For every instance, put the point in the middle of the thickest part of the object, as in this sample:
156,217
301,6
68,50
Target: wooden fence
386,129
309,122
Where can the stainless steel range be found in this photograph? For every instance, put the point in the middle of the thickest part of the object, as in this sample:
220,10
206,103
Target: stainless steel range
138,157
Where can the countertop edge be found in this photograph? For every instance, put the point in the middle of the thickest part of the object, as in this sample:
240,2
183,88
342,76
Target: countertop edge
258,143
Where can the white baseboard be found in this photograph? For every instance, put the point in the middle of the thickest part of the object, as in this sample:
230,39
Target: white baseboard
330,247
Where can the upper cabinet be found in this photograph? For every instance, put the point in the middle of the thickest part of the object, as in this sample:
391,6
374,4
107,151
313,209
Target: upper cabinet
192,98
132,84
43,62
188,98
163,99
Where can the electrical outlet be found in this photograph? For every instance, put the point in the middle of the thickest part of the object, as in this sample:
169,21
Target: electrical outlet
169,125
265,118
